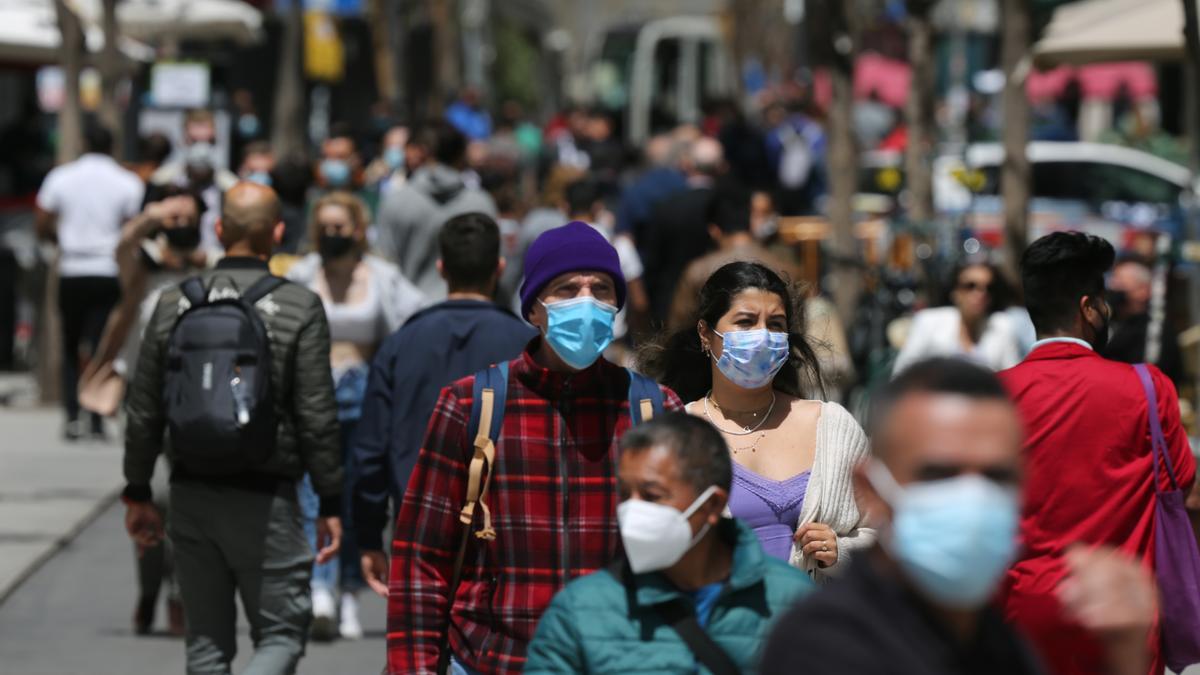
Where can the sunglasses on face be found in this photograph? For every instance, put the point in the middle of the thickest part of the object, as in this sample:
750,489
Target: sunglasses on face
972,286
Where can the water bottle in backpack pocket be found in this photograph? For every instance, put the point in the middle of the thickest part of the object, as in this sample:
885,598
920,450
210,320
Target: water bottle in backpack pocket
217,389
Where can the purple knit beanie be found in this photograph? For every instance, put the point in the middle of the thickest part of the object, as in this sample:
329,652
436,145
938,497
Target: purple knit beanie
574,247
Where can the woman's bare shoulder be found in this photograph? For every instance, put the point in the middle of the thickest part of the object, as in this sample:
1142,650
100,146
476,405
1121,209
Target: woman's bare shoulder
802,413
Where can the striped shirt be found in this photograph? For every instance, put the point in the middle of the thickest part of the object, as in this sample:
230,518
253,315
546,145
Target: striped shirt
553,499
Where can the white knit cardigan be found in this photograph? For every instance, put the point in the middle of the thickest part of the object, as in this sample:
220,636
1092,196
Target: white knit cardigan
829,499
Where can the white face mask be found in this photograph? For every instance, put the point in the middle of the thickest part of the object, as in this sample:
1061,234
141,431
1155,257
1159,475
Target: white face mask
656,536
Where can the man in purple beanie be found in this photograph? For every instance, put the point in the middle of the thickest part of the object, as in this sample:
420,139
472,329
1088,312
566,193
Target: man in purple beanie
550,508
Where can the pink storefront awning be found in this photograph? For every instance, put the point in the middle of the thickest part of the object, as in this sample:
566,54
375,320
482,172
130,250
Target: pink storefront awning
1096,81
890,80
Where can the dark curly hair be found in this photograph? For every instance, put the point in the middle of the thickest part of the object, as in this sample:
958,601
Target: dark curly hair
678,361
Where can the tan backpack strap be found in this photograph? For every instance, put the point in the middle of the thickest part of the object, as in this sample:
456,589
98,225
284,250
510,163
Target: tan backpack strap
480,471
647,408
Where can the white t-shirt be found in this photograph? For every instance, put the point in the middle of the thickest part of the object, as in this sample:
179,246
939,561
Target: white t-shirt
92,197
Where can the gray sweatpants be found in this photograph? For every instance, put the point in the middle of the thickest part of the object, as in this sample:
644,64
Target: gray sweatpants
231,540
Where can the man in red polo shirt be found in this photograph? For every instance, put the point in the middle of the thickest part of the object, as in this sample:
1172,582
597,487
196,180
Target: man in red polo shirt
1088,457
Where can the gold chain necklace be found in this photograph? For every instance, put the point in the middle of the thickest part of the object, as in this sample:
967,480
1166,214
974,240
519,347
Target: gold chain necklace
753,447
746,430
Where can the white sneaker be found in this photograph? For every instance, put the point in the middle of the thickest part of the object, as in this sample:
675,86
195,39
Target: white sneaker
349,627
324,625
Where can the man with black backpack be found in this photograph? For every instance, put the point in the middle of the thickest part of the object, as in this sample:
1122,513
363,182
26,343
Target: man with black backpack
514,492
233,382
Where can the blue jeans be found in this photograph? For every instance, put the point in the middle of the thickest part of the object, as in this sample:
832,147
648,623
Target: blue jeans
345,570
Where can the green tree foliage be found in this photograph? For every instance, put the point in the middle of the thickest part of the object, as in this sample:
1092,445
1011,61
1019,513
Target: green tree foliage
516,69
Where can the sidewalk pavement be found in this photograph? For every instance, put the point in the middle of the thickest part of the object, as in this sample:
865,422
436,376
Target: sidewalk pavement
49,489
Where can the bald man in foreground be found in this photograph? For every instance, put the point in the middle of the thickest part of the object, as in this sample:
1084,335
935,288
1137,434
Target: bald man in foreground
235,524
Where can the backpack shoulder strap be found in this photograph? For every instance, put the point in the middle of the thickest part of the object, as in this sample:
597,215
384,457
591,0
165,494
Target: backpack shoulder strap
645,398
681,616
193,289
490,390
263,287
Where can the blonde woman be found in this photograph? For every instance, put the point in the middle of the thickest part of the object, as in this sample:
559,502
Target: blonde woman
365,298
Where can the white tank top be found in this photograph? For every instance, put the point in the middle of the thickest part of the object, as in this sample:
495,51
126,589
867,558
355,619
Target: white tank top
361,323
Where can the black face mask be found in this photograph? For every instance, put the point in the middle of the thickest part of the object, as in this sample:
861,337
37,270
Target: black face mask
1119,302
1099,340
182,238
334,245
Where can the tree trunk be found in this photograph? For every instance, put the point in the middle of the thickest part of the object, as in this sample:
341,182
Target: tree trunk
760,32
70,146
1191,70
918,114
111,67
843,154
443,16
843,175
1016,41
288,137
70,117
384,17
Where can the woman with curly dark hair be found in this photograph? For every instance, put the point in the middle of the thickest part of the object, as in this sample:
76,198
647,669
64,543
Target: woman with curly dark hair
745,364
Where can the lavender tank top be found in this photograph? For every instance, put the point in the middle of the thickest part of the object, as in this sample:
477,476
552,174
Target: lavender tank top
770,507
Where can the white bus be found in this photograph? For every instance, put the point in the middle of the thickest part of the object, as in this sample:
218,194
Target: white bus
664,70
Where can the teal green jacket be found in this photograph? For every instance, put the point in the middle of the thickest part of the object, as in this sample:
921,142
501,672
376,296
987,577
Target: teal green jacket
596,625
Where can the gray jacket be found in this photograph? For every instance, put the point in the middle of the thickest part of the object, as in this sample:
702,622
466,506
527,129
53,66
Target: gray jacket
308,438
411,216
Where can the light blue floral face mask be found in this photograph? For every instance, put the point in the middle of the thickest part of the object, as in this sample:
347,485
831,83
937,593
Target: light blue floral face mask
750,358
579,329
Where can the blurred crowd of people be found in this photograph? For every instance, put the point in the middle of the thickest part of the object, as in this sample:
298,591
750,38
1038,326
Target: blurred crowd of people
585,386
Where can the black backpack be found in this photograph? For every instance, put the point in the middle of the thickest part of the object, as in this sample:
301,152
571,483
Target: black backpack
217,390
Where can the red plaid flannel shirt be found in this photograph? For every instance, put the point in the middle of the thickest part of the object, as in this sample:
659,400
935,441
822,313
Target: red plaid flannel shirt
553,499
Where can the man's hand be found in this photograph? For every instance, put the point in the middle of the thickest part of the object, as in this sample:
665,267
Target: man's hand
144,524
329,538
45,224
156,212
1115,598
375,571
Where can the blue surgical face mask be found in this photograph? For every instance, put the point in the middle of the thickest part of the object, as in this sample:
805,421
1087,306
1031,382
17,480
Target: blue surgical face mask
336,172
579,329
260,177
954,538
394,158
248,126
750,358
